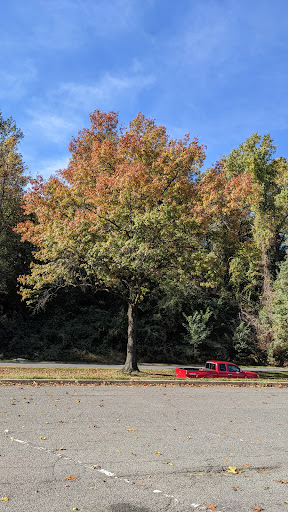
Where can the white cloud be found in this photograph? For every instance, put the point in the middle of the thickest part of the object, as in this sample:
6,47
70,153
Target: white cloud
61,113
47,167
52,126
104,92
14,84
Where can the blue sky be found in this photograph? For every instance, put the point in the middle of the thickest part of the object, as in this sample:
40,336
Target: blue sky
214,68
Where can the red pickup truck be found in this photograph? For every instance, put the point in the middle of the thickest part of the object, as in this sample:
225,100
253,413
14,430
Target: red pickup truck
215,369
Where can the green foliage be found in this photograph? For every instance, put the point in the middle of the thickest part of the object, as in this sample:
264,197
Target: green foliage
244,342
198,330
279,312
12,181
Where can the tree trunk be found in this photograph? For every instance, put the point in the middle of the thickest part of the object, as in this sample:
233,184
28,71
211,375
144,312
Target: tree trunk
131,359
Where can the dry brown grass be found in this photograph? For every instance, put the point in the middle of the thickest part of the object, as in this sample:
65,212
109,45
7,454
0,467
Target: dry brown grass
107,374
82,374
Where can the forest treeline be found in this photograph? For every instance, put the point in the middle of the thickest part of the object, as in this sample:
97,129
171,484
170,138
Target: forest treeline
136,224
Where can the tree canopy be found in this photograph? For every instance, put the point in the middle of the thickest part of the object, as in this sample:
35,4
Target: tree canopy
12,182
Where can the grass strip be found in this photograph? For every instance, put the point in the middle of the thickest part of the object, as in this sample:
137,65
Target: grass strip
109,374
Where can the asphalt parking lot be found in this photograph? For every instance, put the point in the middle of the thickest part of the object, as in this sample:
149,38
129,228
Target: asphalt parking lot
143,449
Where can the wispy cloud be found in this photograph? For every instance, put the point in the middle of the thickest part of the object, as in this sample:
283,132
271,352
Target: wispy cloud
14,83
61,112
106,91
48,166
52,126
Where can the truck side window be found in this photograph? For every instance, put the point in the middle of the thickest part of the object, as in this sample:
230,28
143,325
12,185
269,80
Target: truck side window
233,368
222,368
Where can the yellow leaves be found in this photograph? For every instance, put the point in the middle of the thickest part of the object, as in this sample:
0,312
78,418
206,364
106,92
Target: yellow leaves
5,498
42,437
70,477
234,470
129,429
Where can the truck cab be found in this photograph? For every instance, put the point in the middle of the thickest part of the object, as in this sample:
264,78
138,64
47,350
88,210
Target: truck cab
214,369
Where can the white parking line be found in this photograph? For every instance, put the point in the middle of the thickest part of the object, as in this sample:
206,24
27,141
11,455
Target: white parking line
100,470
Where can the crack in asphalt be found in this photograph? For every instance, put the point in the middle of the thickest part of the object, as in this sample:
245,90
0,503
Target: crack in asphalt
100,470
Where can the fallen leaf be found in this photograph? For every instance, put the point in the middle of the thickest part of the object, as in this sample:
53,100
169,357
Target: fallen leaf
5,498
211,507
246,465
41,437
96,466
169,463
236,488
158,453
257,508
70,477
233,469
282,482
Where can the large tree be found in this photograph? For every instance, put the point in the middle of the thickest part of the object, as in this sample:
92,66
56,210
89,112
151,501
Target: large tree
263,247
118,217
12,182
